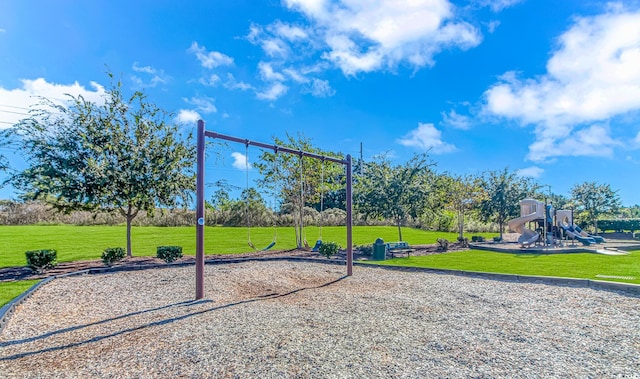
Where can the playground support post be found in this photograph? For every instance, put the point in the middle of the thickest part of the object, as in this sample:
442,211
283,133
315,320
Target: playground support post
200,213
349,217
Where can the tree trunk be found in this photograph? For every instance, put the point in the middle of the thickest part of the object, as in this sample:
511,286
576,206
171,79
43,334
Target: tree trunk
129,219
400,230
501,229
129,214
461,225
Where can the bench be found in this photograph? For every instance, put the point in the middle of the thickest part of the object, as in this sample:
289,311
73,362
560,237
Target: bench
398,247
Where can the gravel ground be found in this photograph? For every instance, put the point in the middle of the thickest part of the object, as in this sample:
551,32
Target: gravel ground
290,319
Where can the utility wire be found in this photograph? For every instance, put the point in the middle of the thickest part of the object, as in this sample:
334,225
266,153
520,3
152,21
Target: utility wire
13,106
12,112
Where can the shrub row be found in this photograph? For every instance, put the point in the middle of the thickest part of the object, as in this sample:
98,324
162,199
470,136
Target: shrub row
41,260
630,224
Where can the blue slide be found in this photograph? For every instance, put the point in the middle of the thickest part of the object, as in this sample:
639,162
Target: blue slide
598,239
574,234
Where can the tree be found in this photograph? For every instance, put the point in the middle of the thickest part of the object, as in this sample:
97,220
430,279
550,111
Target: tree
121,156
464,192
504,190
395,192
558,201
595,199
299,181
221,203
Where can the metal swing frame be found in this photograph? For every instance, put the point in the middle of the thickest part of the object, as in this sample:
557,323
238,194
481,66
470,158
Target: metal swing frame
202,133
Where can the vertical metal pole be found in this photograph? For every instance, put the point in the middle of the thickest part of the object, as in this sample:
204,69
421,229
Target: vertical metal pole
200,213
349,218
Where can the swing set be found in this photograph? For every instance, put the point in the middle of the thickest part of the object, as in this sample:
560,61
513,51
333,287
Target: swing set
246,207
202,133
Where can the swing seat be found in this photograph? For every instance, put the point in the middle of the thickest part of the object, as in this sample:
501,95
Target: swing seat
316,248
251,245
306,244
272,244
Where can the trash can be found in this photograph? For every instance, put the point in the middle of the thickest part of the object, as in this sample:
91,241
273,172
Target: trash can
379,250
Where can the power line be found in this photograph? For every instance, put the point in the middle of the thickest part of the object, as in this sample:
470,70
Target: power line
13,106
12,112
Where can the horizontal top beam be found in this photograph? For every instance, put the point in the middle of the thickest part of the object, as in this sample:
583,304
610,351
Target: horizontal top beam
275,148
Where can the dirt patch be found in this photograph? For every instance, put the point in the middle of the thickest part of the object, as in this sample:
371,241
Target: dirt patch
25,273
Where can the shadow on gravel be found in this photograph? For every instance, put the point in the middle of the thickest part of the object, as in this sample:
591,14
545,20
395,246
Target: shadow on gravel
144,326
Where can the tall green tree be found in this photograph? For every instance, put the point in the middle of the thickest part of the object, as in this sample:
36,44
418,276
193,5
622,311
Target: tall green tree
464,192
595,199
124,155
396,192
299,181
504,189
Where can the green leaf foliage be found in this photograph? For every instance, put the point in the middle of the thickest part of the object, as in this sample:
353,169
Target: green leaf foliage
594,200
41,260
329,249
112,255
169,253
503,191
124,155
398,192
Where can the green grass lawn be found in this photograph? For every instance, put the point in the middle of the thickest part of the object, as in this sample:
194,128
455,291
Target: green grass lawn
580,265
87,242
11,290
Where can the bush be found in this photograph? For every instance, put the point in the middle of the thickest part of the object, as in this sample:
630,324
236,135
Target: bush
112,255
169,253
464,242
41,260
443,244
328,249
365,249
630,224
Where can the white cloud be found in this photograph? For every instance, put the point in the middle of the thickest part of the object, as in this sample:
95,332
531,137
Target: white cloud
498,5
232,83
532,172
426,137
276,90
456,120
492,26
212,81
295,75
187,116
2,30
268,74
146,69
17,101
591,77
209,59
321,88
367,36
289,32
203,104
157,76
275,47
240,161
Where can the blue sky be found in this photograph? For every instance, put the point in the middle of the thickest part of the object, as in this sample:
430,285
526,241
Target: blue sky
548,88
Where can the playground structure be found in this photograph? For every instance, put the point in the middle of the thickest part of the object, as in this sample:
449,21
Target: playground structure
202,133
564,221
546,230
530,211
